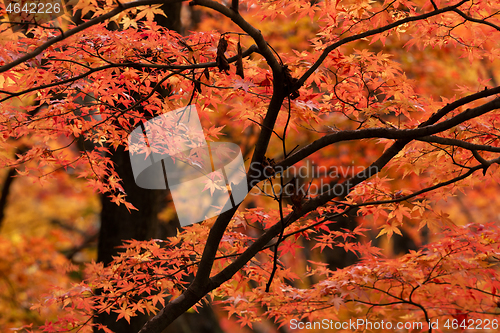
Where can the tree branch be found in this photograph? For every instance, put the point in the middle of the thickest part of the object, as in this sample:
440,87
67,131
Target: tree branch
246,27
458,143
135,65
235,5
369,33
192,295
204,284
472,19
82,27
9,179
392,133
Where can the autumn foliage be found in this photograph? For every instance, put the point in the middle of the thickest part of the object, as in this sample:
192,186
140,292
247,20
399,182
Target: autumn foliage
396,102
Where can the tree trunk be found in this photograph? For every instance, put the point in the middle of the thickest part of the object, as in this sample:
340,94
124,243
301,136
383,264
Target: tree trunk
118,224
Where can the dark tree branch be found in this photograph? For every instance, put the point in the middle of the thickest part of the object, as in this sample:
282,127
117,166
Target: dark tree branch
460,102
480,159
135,65
458,143
234,5
278,80
202,283
485,164
199,284
434,5
246,27
9,179
82,27
194,293
7,184
472,19
369,33
427,189
391,133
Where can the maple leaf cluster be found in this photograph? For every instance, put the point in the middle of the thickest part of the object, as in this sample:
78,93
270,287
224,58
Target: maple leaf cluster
395,102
